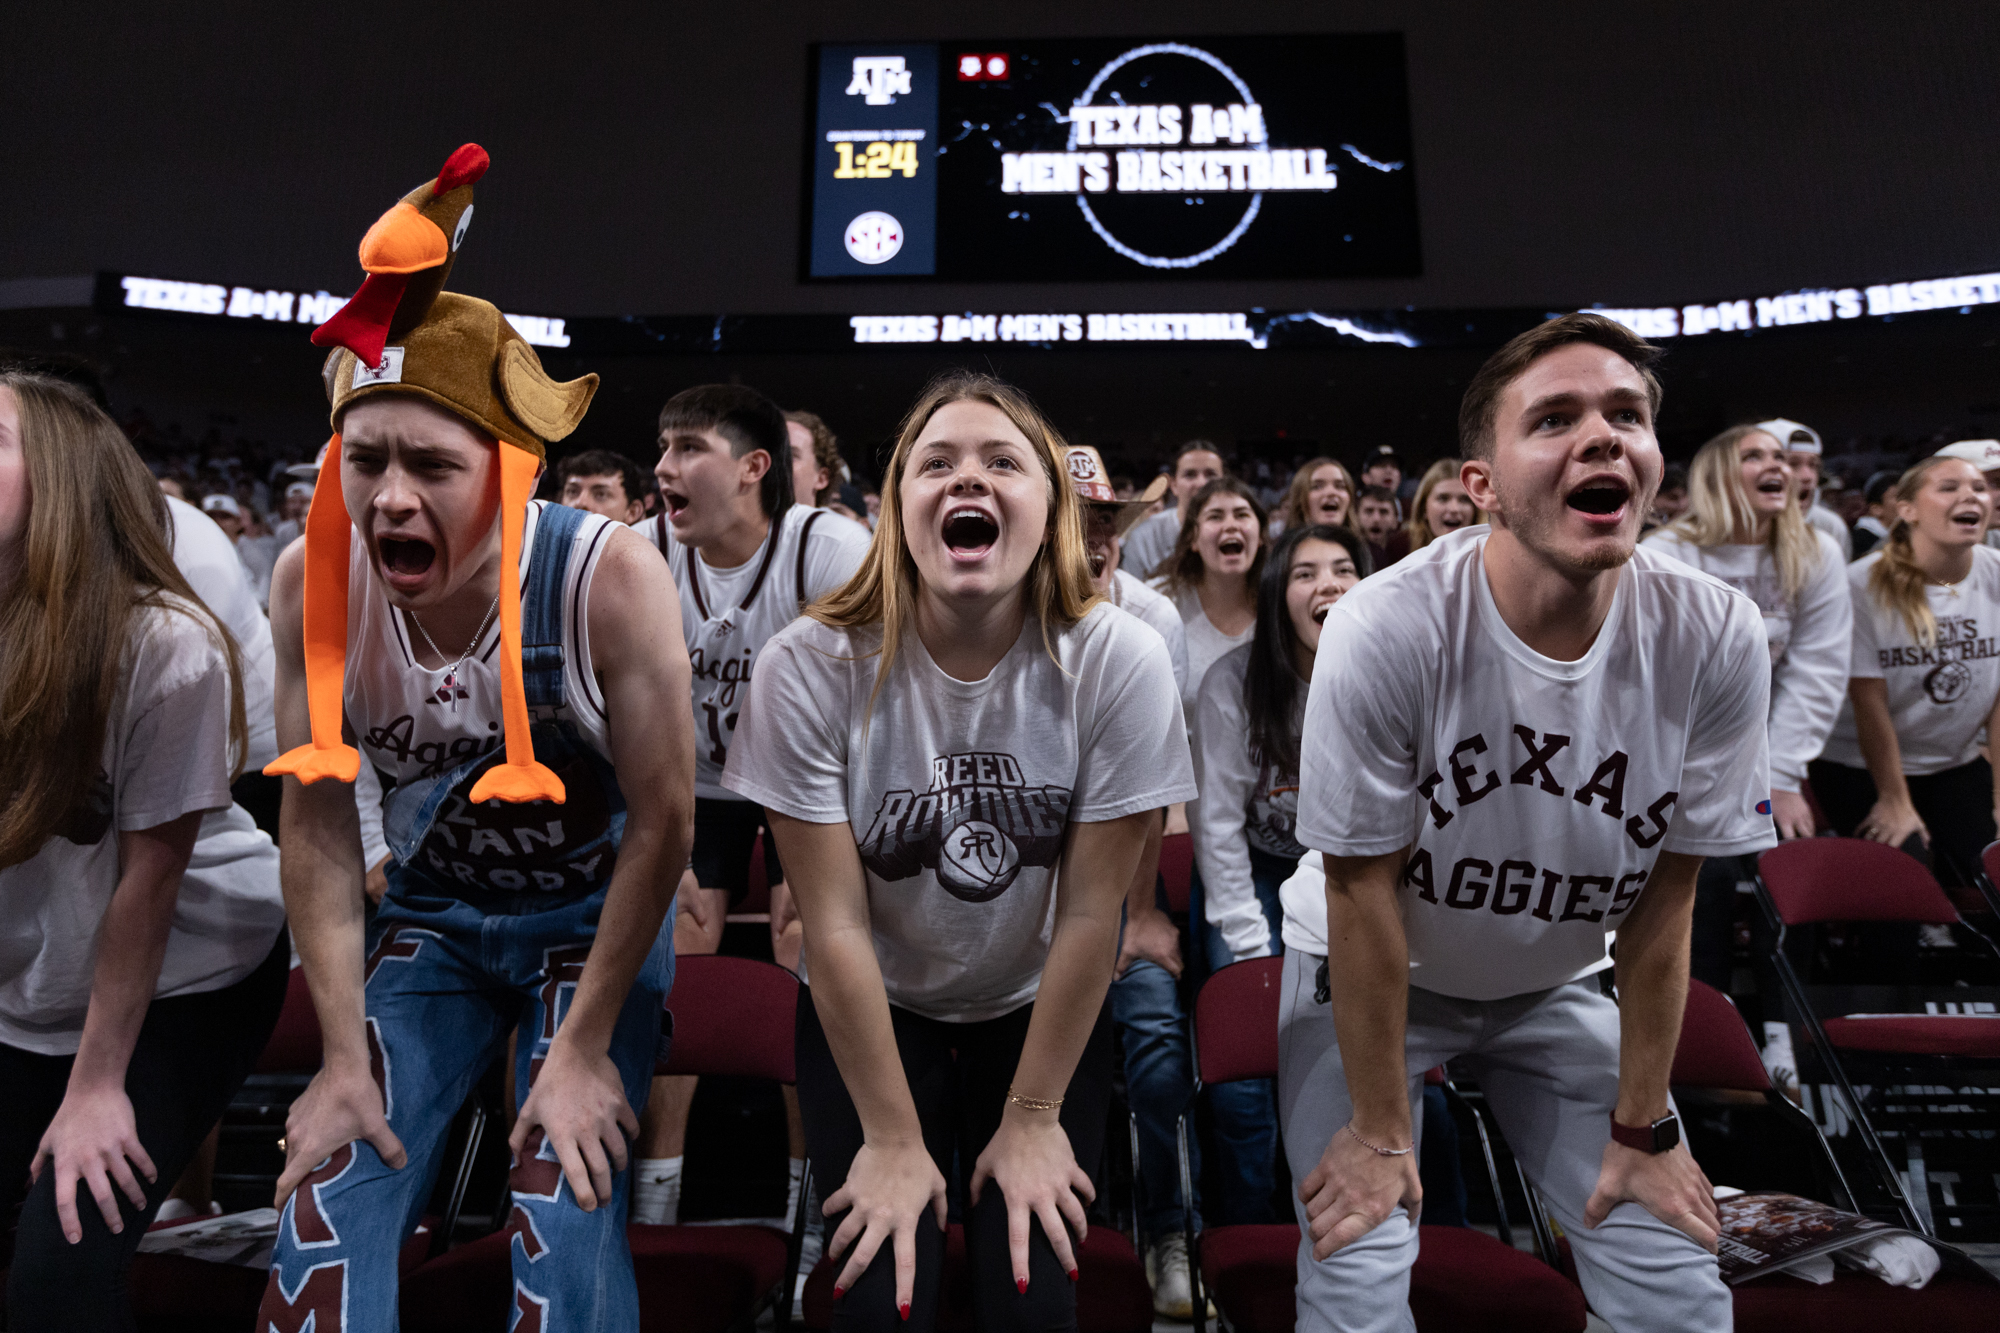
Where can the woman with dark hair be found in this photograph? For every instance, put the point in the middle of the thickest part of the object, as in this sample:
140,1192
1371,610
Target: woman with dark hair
961,753
1213,573
1246,737
143,957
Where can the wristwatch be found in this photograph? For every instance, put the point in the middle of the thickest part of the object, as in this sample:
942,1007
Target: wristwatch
1660,1136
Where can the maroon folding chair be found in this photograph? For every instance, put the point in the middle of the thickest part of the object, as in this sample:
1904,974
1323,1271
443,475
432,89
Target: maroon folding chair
1813,880
1716,1053
731,1017
1464,1280
1988,878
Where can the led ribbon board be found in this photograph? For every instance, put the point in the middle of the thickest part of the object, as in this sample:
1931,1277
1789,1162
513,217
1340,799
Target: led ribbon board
1244,157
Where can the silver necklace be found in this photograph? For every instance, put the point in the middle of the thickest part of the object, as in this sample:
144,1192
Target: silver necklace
449,688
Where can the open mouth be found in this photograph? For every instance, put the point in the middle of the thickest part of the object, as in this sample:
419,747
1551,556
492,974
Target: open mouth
1097,562
675,502
1601,498
1231,544
1772,486
1319,613
1969,518
406,557
1330,508
970,533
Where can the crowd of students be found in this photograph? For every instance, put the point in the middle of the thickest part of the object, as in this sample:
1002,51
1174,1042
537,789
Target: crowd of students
960,713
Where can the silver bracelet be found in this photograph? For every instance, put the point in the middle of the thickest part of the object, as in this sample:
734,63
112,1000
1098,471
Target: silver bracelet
1379,1152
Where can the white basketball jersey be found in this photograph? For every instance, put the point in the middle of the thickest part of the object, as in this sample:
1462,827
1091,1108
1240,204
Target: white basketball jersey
727,616
407,724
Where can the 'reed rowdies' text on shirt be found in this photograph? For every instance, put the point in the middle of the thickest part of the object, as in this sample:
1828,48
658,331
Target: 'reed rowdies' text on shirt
959,792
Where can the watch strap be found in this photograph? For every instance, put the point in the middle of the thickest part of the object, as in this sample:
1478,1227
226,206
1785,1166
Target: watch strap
1660,1136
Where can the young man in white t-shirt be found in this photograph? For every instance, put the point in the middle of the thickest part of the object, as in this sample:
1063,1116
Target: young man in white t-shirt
1152,541
746,560
1579,725
1803,455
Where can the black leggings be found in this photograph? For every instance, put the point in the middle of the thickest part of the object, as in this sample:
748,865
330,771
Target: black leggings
193,1053
958,1075
1955,805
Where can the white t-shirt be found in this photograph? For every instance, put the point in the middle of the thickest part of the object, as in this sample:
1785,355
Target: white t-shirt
1809,637
207,560
1129,594
1534,795
1243,804
1940,696
1829,524
1205,643
728,615
959,792
166,754
1150,541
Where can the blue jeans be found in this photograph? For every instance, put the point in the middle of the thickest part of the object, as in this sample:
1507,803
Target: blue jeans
446,981
1159,1082
1246,1111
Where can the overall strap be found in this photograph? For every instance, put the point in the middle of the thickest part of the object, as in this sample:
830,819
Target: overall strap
542,605
799,573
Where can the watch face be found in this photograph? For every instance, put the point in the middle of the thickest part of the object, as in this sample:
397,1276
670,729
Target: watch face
874,237
1666,1133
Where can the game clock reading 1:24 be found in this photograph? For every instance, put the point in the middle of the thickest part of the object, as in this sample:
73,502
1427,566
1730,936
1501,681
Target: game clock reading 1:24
1246,157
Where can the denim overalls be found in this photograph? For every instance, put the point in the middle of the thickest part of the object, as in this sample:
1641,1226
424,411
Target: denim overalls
455,962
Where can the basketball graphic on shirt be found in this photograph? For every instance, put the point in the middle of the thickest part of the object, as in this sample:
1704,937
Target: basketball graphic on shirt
976,861
1947,681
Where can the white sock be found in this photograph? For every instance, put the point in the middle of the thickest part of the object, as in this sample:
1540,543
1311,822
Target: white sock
656,1191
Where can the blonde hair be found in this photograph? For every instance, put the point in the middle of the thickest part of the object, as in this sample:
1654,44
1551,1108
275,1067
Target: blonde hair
883,590
1897,583
97,549
1292,509
1418,525
1719,510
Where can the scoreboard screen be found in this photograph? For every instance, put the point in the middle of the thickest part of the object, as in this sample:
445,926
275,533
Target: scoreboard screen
1106,159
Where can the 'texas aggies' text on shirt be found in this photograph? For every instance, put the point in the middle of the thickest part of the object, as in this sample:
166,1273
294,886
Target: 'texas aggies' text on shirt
1533,796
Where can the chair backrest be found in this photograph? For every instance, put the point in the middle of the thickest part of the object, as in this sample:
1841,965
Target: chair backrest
1851,879
294,1047
733,1017
1716,1050
1236,1022
1989,861
1176,866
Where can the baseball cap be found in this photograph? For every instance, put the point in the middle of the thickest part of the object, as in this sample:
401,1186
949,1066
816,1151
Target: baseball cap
310,471
1982,454
1381,453
221,504
1792,437
300,490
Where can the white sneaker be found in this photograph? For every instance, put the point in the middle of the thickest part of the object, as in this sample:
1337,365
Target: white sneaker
1935,937
1779,1061
180,1210
1167,1269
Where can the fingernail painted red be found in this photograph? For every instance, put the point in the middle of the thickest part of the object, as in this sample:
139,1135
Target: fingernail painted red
1022,1283
904,1309
1072,1275
838,1292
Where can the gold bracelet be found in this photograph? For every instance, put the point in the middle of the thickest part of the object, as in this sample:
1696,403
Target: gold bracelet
1033,1103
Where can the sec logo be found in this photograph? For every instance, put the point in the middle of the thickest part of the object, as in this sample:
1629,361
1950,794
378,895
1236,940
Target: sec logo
977,861
874,237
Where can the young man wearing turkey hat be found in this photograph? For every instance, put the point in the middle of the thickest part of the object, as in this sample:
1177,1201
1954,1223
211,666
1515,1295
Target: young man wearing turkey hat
499,662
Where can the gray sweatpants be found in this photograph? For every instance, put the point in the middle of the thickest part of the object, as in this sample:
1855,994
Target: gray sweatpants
1548,1064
